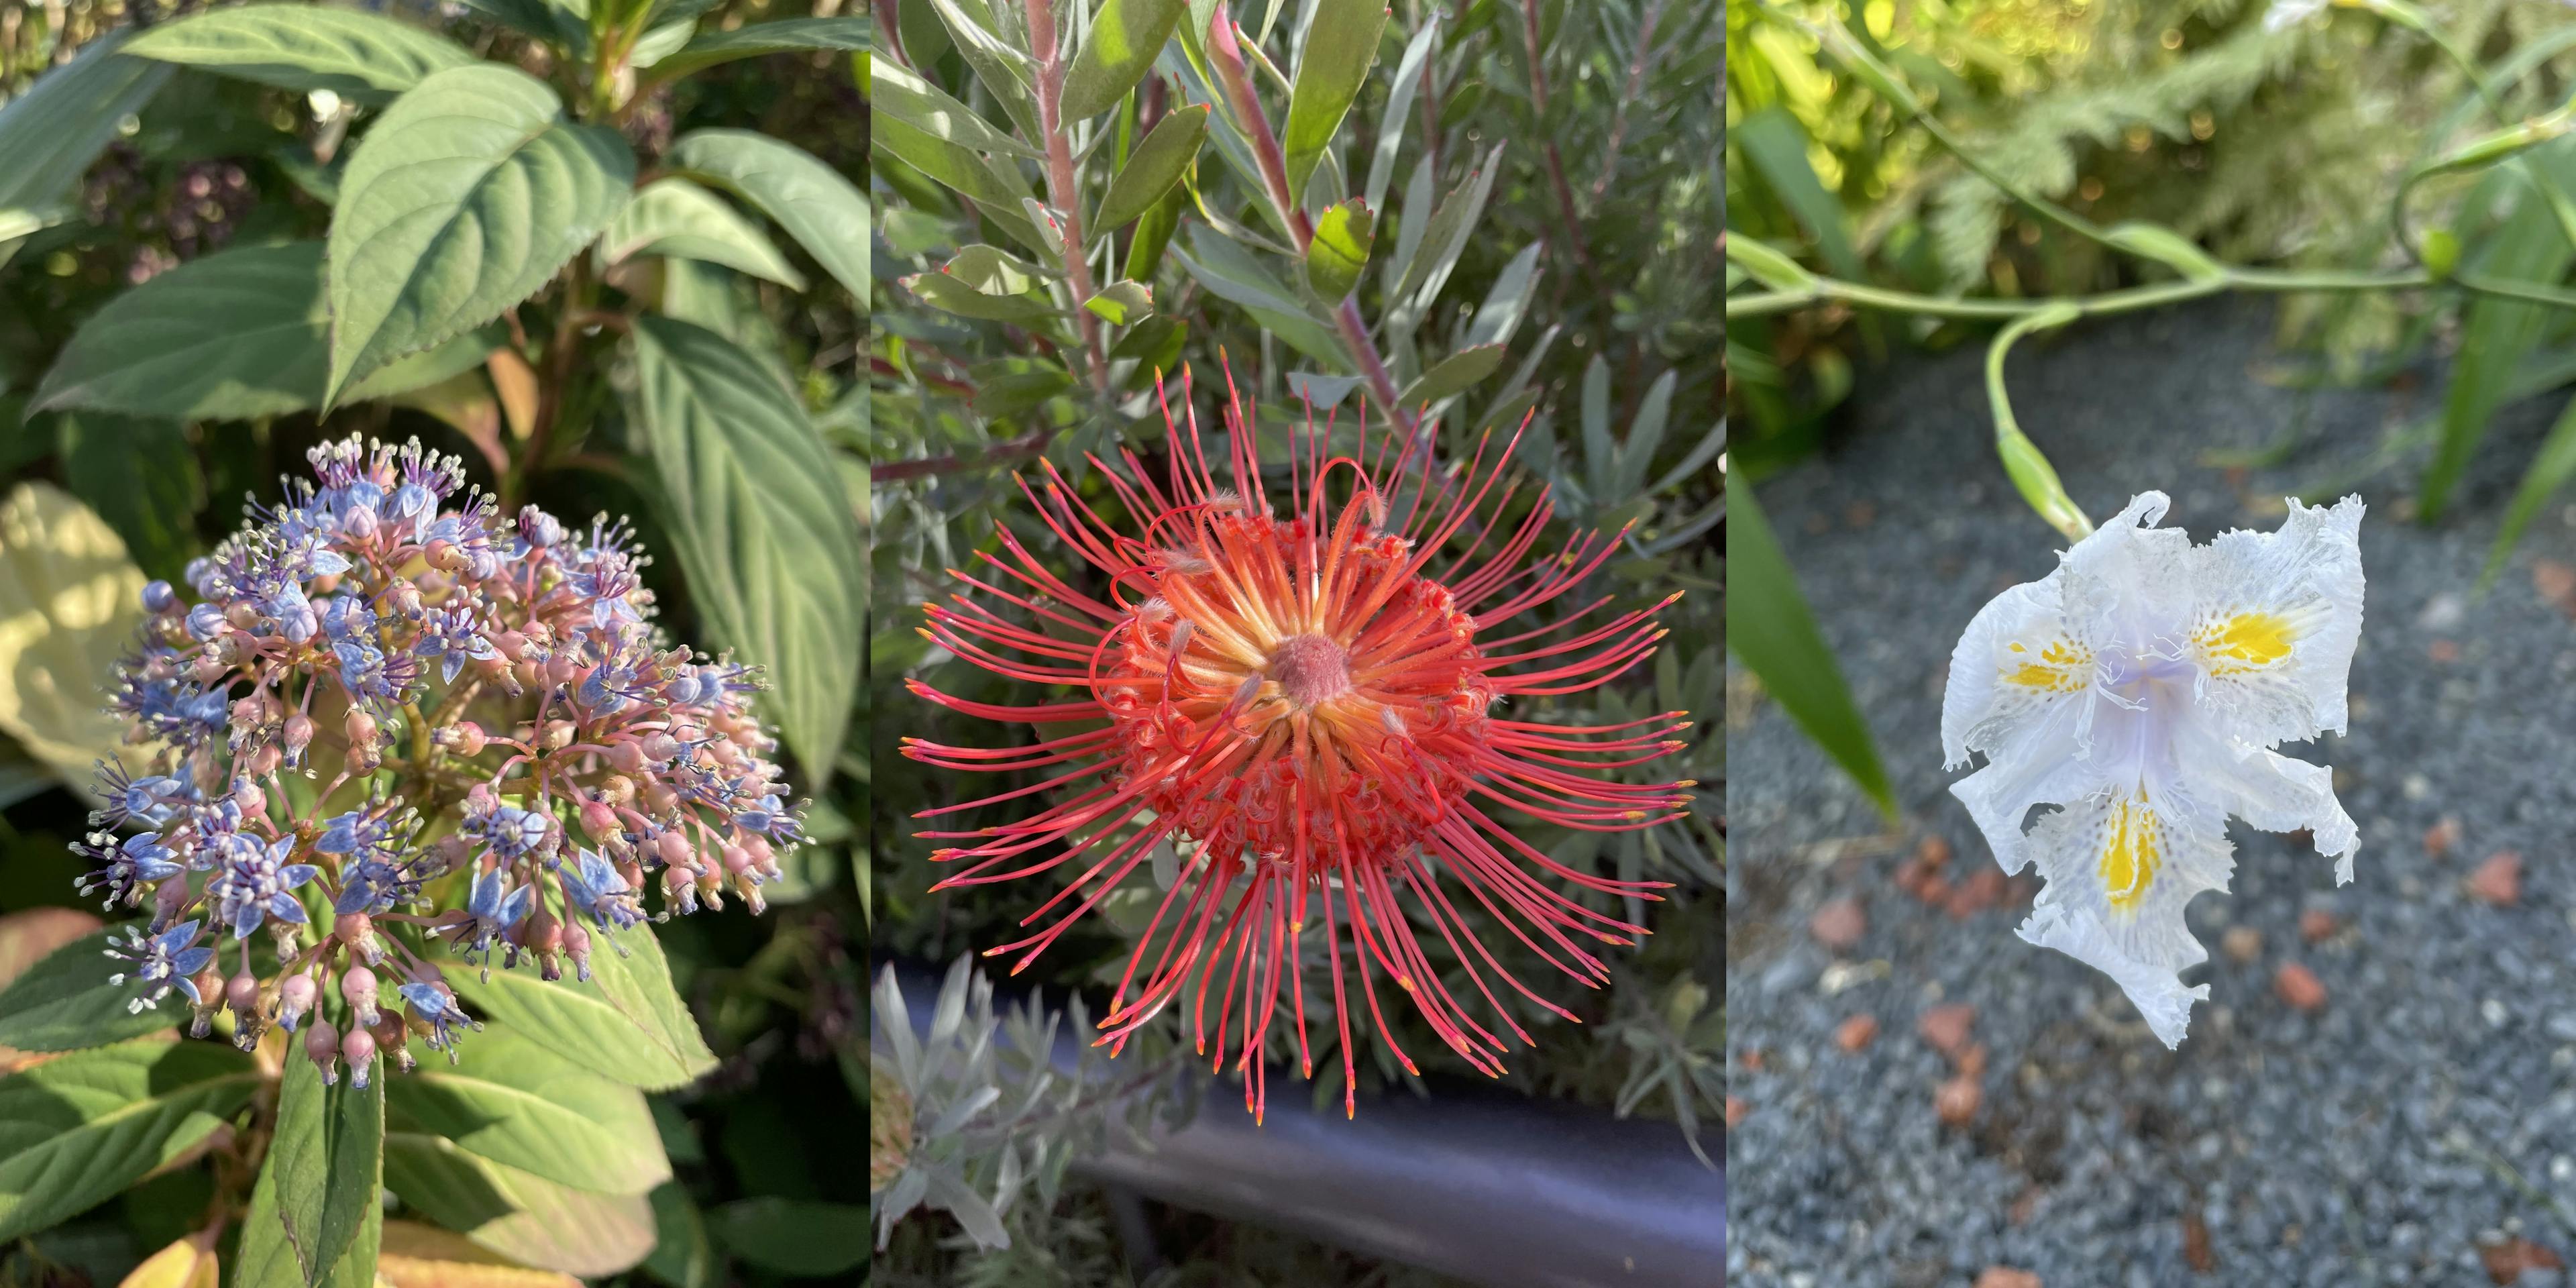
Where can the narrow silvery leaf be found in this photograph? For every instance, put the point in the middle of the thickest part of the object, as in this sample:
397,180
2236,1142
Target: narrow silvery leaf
902,94
1126,35
483,148
1454,374
1399,110
1123,303
1339,51
360,56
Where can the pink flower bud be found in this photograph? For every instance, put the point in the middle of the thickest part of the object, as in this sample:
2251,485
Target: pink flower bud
361,524
167,899
322,1047
464,737
627,756
559,735
358,989
360,1050
265,761
241,993
299,733
294,999
598,821
659,748
210,999
576,943
674,849
660,798
360,728
358,931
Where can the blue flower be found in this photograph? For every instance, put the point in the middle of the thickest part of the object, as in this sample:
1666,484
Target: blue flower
150,800
453,635
163,961
434,1007
373,885
514,833
252,884
594,888
491,909
771,818
124,870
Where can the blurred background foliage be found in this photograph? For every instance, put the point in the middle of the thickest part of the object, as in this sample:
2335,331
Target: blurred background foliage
1597,290
2263,140
760,1145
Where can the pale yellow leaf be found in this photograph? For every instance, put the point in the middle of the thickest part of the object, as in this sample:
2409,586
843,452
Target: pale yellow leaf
423,1256
69,602
188,1263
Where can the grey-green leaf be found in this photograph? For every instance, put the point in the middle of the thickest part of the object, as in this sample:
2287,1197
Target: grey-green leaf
626,1022
901,93
1152,169
361,56
1126,36
237,335
1123,303
677,219
1770,630
1455,374
767,538
77,1130
64,1002
520,1105
317,1190
793,1236
1340,48
1340,251
783,36
824,212
468,195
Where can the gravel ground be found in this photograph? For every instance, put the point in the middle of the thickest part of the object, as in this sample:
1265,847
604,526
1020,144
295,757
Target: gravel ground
2418,1122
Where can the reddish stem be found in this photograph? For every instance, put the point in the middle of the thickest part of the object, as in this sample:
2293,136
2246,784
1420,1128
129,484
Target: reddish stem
1062,195
1555,158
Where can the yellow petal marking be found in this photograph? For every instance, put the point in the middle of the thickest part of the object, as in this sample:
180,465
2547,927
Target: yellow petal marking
2246,642
2060,668
2132,851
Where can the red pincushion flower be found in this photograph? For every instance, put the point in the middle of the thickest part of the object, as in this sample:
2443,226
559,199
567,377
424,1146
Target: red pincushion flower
1316,710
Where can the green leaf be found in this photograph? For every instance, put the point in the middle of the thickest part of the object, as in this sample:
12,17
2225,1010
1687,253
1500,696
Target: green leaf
1155,344
794,1237
1776,145
1507,301
467,196
1005,388
78,1130
550,20
1340,251
1770,630
682,1256
626,1022
2498,333
996,58
2549,471
823,211
766,537
1230,272
360,56
677,219
64,1002
782,36
1123,303
1153,168
237,335
519,1215
50,134
1399,108
141,477
1340,48
1126,36
1456,373
1154,231
317,1192
947,294
520,1105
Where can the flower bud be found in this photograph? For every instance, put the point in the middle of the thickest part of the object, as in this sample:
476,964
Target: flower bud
464,737
576,943
167,899
674,849
241,993
210,999
211,665
543,936
158,598
358,989
294,998
360,1050
265,761
598,821
627,757
559,734
660,798
659,748
617,789
322,1047
299,733
561,668
242,615
358,931
360,728
359,522
403,597
249,799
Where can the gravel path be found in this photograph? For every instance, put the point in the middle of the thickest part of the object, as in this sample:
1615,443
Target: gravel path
2416,1124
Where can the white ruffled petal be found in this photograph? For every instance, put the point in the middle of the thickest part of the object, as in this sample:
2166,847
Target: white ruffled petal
2120,867
2275,793
2277,619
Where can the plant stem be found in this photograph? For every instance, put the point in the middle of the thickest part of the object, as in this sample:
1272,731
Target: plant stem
1227,56
2129,300
1555,157
1062,195
1637,65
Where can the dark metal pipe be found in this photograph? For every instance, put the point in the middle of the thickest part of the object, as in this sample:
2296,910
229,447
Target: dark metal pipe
1497,1189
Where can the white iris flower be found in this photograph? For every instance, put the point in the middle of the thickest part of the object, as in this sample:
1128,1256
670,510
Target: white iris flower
2138,689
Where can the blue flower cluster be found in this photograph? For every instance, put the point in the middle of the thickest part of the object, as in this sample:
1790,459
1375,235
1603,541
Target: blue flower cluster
457,693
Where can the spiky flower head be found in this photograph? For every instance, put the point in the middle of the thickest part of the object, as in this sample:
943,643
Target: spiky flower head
1309,698
457,690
